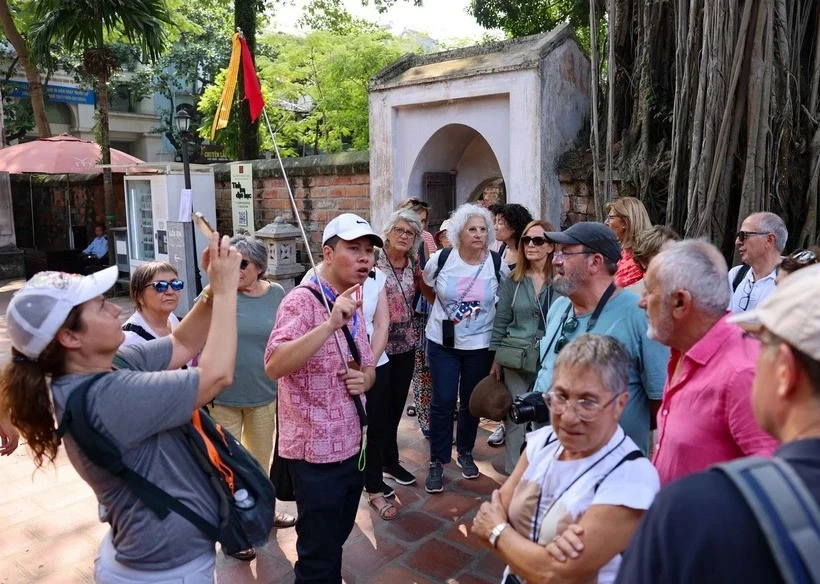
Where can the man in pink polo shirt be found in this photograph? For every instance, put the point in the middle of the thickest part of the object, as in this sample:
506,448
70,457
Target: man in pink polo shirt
320,434
706,414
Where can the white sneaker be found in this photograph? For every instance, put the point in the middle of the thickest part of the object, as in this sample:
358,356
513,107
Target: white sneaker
498,436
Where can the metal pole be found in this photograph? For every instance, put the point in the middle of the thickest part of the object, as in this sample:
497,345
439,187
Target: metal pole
186,172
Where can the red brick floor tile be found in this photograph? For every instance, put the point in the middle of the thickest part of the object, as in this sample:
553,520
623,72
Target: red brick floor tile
450,505
438,560
490,564
412,526
461,535
364,556
58,497
470,578
18,511
398,575
483,486
264,569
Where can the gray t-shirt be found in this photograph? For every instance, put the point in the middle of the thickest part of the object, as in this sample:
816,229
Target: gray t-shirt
141,411
255,316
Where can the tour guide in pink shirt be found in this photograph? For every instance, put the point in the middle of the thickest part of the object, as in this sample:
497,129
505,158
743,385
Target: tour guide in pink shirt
319,428
706,414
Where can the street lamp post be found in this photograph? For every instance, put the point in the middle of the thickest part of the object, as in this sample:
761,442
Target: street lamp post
183,120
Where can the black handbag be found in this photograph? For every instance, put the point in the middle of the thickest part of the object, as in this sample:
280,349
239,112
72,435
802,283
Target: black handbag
280,472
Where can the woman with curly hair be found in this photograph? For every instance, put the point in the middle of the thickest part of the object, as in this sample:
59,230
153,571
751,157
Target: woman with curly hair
627,217
509,223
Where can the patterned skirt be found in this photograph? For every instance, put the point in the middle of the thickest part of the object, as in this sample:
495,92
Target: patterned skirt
422,384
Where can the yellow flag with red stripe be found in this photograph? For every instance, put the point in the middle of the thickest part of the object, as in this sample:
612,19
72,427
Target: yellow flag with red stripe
223,110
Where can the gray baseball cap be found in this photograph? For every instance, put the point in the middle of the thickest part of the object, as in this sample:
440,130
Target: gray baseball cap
595,236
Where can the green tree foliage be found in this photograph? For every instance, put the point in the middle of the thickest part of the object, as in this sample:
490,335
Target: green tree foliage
525,17
315,89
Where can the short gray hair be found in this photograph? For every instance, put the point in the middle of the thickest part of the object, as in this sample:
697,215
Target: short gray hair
697,266
771,223
600,353
459,219
410,217
253,250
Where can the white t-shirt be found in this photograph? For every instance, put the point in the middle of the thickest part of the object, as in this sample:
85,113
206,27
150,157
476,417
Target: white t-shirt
553,493
371,289
132,338
472,312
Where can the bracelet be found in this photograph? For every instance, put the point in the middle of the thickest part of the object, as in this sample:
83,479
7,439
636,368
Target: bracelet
496,533
206,295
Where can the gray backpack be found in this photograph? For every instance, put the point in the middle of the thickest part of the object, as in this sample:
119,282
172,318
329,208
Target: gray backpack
786,512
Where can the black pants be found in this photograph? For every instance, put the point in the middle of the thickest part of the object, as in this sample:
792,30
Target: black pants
327,497
401,374
377,423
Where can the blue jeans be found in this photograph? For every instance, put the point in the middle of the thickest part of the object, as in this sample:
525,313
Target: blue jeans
455,373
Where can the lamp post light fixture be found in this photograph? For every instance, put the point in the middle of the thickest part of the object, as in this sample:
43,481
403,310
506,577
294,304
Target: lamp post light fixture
183,120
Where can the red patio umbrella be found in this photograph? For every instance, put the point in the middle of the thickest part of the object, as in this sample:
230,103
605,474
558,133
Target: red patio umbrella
61,154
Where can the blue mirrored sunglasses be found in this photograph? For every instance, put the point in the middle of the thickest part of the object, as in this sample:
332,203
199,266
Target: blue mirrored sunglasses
162,285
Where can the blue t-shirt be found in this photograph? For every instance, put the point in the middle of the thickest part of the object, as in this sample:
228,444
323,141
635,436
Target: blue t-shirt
624,320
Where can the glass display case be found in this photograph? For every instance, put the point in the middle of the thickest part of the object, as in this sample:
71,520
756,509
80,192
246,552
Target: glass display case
142,220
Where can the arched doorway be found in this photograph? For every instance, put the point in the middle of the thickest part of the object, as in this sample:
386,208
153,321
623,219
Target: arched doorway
451,166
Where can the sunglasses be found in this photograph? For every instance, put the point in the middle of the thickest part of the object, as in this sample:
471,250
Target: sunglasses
537,241
415,201
162,285
742,235
804,257
570,326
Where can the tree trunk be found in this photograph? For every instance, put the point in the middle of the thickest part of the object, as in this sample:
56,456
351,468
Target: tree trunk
35,87
245,19
101,88
595,71
610,104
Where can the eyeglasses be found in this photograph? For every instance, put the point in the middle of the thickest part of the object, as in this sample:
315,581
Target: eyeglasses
561,254
162,285
569,326
804,257
243,264
748,286
742,235
404,232
537,241
419,202
474,230
586,409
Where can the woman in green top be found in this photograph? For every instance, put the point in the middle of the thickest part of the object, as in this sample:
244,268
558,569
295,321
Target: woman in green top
247,407
522,300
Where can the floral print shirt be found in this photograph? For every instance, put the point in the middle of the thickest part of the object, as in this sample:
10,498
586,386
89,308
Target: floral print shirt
401,289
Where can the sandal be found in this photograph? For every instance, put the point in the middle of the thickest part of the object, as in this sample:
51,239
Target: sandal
411,411
245,555
387,511
283,520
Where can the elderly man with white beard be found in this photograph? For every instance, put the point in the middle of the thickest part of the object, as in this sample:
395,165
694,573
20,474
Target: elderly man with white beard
585,261
706,415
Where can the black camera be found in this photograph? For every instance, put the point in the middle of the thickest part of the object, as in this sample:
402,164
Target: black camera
529,407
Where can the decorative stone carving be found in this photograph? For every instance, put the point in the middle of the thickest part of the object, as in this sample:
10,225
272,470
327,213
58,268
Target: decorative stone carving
280,237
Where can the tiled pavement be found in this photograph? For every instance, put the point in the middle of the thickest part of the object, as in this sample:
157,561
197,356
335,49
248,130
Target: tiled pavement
51,532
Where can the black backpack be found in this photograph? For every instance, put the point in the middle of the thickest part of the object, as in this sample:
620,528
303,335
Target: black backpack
445,253
227,464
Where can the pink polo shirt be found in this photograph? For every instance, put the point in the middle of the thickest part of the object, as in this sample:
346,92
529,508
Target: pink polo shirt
318,422
706,415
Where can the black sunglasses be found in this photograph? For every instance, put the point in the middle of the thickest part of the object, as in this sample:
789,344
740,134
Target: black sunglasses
162,285
416,201
570,326
742,235
537,241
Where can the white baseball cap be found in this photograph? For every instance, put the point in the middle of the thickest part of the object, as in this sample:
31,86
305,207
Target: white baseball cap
348,226
791,312
38,310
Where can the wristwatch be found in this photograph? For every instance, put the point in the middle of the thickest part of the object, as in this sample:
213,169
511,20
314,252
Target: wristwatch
496,533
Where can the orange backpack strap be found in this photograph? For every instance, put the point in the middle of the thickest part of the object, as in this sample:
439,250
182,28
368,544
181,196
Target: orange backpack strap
213,455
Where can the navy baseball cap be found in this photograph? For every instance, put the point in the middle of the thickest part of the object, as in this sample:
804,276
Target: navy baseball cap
596,236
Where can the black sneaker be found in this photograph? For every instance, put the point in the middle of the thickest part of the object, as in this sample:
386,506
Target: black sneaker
468,468
435,478
399,474
388,491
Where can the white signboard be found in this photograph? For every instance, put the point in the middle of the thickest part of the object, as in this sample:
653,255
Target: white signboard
242,197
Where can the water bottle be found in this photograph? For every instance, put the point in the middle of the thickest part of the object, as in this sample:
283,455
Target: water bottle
252,524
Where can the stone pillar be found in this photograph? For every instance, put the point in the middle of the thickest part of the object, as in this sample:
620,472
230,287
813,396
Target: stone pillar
280,238
11,258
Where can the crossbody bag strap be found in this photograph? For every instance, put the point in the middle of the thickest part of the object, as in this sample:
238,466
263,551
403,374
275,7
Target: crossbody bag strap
467,291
